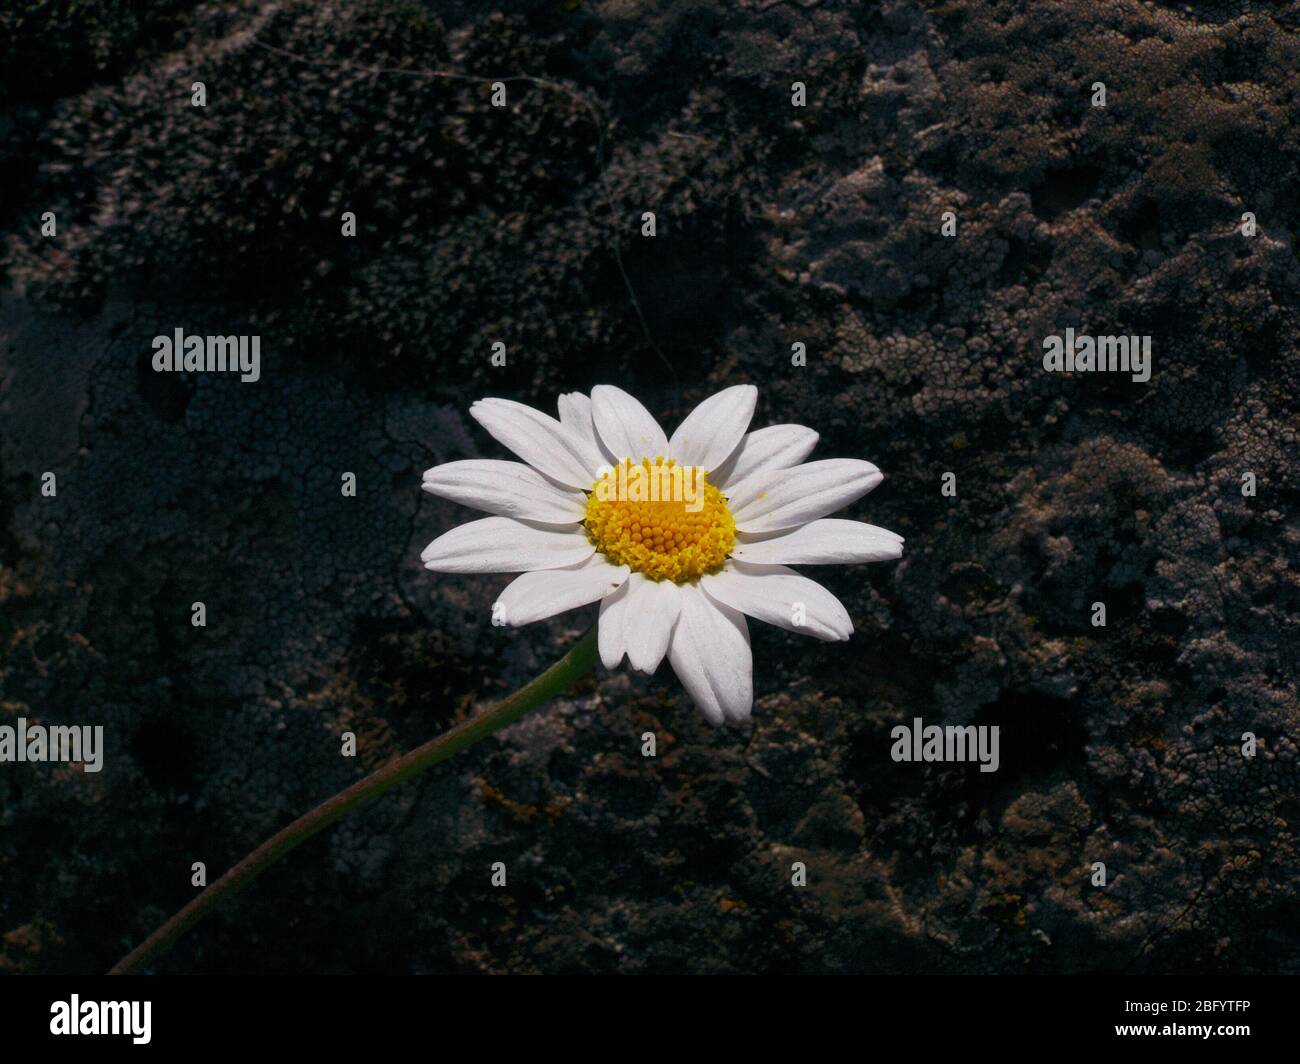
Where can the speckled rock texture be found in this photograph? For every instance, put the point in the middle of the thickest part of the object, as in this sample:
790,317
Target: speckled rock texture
776,225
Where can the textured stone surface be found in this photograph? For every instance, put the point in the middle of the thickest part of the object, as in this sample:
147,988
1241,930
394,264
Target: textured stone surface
776,225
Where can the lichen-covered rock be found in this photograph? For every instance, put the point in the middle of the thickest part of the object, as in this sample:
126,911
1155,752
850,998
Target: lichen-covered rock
1174,503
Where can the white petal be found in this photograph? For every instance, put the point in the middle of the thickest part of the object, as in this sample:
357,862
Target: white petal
534,596
710,653
540,440
712,431
510,489
638,620
575,415
652,611
611,629
625,426
831,541
770,500
775,447
575,410
781,597
504,545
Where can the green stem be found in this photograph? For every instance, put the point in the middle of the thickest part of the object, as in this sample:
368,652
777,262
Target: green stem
579,660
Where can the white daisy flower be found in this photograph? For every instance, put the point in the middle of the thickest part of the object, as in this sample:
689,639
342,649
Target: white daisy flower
678,539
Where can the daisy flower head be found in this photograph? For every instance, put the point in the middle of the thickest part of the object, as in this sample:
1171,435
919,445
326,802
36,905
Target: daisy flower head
678,538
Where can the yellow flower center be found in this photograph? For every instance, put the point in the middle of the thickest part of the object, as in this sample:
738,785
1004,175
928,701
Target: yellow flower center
660,519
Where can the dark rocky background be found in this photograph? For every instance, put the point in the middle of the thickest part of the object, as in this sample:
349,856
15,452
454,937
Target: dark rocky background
776,225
